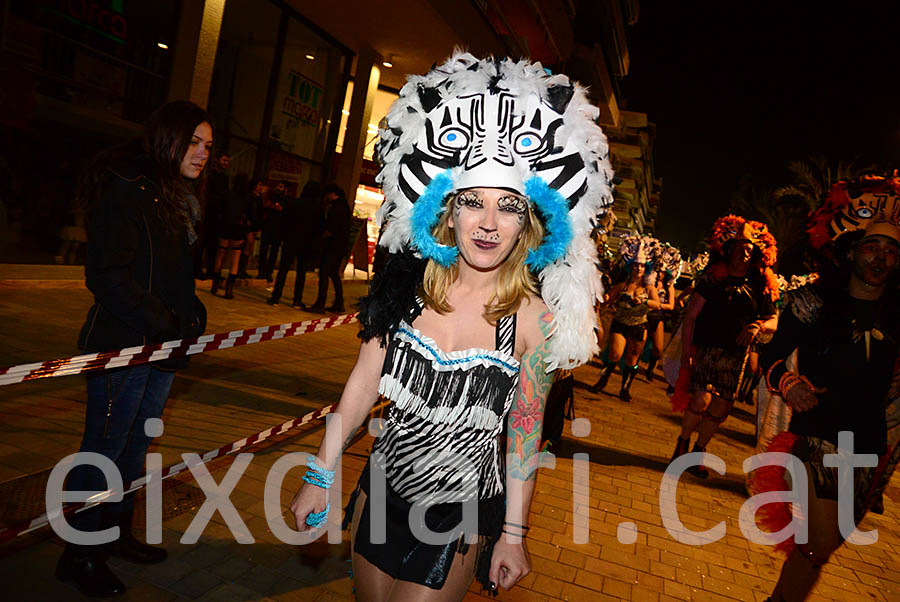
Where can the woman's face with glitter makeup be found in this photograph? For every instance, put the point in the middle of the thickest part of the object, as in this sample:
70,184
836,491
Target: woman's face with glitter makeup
487,223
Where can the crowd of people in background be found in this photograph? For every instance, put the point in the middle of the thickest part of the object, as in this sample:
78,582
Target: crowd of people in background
304,233
738,326
489,259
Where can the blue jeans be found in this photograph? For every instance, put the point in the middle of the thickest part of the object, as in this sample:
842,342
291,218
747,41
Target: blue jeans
119,402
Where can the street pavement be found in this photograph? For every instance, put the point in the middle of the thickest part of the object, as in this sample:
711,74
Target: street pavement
227,395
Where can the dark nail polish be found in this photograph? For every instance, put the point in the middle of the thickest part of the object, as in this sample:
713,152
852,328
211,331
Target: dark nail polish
493,585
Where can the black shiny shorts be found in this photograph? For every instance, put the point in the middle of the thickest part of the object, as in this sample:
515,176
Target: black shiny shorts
634,332
403,556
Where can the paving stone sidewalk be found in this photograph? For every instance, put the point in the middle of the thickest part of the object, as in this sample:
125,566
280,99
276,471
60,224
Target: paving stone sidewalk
227,395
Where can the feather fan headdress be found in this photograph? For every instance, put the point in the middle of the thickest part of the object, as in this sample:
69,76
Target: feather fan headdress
640,249
735,227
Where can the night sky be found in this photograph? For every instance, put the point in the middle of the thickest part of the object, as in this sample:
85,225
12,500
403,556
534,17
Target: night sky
745,87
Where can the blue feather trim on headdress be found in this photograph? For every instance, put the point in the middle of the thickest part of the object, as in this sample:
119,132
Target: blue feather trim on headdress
426,213
554,209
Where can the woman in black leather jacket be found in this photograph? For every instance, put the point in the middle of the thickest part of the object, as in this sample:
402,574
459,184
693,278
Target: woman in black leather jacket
141,230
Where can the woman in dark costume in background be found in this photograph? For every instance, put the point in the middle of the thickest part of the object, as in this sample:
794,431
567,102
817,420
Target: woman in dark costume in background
732,304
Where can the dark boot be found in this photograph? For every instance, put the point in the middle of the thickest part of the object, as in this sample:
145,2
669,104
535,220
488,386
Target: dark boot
86,569
699,471
628,375
216,281
229,286
650,368
604,378
681,448
242,266
128,547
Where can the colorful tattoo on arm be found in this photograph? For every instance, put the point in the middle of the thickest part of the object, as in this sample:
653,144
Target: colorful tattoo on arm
526,419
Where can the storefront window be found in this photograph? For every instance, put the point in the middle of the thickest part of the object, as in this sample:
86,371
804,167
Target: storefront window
311,70
112,57
380,107
308,86
368,196
75,77
292,149
247,45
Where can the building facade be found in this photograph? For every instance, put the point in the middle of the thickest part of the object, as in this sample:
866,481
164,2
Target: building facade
297,88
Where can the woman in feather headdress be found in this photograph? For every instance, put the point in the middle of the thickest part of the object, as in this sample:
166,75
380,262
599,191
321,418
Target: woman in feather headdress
732,304
668,270
494,173
633,298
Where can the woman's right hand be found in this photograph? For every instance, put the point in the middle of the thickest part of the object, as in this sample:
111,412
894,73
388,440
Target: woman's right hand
309,499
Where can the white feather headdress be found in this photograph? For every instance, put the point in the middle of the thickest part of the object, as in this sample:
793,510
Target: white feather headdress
504,124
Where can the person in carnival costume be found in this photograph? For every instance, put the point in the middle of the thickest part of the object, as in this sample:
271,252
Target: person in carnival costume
732,304
672,351
633,298
845,330
668,270
493,172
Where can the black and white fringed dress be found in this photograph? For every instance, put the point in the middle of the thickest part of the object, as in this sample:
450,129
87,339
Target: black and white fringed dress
440,447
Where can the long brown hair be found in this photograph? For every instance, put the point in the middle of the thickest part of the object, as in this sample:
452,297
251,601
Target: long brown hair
165,140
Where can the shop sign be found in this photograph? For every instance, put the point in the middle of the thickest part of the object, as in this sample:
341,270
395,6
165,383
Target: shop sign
284,167
104,17
303,99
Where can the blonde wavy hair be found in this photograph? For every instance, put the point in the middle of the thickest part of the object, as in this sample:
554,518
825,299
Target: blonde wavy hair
515,281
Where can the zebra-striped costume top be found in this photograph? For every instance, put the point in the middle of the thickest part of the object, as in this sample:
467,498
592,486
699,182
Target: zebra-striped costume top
441,439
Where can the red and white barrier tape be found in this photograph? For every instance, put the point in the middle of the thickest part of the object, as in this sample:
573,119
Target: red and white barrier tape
27,527
92,362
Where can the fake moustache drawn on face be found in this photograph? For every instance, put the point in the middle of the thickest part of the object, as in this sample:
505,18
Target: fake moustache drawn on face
487,223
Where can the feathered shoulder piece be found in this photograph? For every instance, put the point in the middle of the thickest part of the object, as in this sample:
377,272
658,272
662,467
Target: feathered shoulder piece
392,296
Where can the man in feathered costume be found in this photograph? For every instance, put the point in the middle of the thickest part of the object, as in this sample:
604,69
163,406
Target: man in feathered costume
732,304
845,329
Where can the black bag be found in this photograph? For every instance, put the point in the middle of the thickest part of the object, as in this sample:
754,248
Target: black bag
560,406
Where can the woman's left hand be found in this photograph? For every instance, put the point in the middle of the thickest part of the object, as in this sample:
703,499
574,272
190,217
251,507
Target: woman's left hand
509,562
749,334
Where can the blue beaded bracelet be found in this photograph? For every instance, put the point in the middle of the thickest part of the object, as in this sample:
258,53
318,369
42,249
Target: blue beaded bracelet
317,519
318,476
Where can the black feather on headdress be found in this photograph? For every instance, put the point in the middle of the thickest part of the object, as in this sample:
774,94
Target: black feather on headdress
392,296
